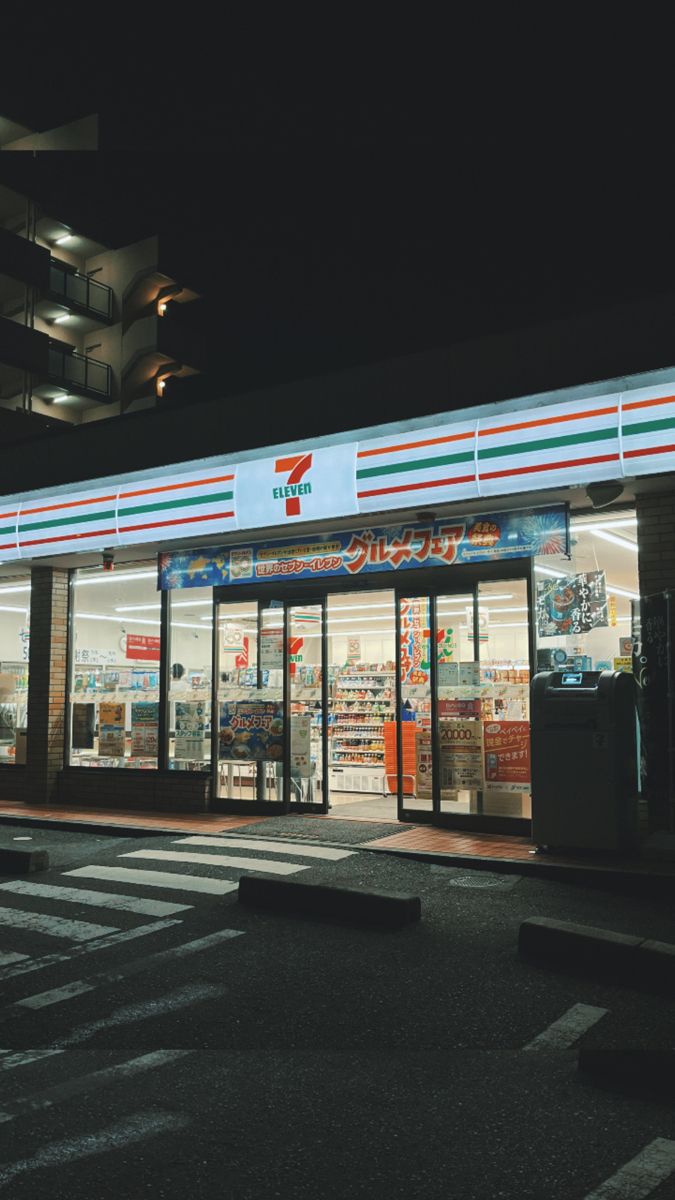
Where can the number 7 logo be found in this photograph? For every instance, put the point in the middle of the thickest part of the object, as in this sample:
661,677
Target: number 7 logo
296,465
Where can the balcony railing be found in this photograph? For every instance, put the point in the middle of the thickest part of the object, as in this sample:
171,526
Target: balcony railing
79,371
81,291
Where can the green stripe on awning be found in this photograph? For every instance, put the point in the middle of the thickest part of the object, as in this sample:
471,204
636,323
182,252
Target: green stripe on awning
185,503
108,515
418,464
11,529
649,426
568,439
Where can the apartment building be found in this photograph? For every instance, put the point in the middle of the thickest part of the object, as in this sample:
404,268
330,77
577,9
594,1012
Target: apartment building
87,331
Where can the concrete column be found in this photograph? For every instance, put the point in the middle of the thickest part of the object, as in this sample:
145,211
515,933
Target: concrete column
46,682
656,567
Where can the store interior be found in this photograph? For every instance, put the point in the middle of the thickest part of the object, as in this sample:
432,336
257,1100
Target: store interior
115,664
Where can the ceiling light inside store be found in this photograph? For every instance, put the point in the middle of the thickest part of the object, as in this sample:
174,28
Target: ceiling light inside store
591,526
617,541
108,578
15,587
8,608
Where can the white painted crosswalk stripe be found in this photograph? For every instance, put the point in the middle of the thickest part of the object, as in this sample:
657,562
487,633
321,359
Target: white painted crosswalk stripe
218,860
23,1057
84,1084
329,853
85,948
7,958
147,908
163,879
77,931
642,1175
127,1132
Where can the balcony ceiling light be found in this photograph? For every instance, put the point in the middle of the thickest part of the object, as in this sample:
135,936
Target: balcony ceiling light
65,237
60,320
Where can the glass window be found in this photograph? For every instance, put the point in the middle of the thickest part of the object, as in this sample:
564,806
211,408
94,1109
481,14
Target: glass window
191,626
14,649
583,604
114,690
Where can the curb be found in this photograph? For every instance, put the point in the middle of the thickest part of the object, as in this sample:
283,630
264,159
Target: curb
633,960
602,877
22,862
86,826
390,910
648,1072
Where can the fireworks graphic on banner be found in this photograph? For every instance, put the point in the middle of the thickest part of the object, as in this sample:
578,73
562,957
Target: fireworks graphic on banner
546,533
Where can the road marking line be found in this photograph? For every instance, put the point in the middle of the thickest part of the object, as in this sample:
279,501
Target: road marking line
46,1098
567,1029
641,1176
51,960
7,958
77,931
296,848
143,1010
147,908
78,986
24,1057
122,1133
56,995
163,879
220,860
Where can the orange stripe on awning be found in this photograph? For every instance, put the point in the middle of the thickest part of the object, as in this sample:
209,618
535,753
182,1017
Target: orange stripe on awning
578,416
648,403
171,487
28,512
437,441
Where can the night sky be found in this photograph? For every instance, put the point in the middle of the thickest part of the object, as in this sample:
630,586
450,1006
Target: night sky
360,209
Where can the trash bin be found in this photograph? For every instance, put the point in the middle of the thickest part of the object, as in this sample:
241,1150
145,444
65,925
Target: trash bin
584,762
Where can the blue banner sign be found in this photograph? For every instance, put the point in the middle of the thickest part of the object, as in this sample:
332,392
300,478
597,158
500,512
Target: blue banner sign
480,538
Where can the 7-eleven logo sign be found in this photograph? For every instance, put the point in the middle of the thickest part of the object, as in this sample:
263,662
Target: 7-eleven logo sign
293,466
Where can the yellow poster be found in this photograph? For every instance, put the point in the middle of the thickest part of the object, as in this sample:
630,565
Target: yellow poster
111,729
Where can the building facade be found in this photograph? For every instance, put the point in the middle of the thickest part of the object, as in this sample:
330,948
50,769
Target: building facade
351,619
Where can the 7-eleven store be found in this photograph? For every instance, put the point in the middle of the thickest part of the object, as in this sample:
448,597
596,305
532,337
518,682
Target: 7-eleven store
348,625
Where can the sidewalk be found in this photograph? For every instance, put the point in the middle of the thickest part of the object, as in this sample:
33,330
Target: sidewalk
482,851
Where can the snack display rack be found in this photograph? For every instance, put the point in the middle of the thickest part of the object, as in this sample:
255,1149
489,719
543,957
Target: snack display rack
363,699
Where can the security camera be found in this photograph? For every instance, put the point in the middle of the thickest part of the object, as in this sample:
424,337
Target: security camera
602,494
426,515
108,560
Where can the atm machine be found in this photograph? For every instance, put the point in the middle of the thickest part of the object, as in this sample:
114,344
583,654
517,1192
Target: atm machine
584,760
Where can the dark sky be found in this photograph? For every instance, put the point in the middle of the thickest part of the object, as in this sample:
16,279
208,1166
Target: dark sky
357,209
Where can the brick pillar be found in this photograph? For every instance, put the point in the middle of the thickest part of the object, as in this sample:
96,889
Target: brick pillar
46,682
656,542
656,568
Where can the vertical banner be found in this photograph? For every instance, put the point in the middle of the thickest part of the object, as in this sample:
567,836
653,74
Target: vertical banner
301,761
424,768
144,729
415,639
111,729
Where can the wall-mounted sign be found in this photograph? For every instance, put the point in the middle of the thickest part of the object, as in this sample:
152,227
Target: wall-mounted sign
515,450
140,646
519,534
89,655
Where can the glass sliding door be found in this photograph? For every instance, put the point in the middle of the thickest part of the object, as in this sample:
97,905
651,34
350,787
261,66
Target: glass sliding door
306,706
249,692
503,614
462,730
